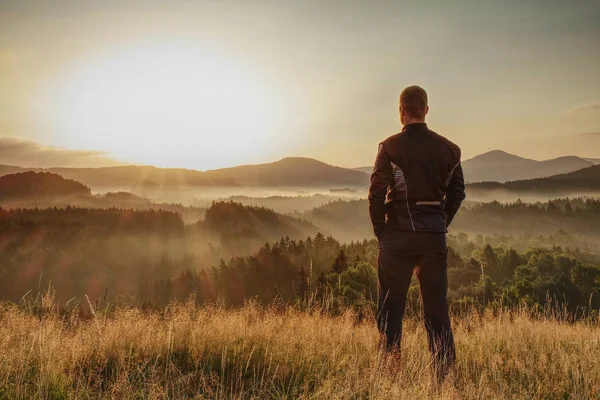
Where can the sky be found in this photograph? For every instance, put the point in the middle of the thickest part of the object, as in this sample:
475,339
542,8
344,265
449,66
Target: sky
206,84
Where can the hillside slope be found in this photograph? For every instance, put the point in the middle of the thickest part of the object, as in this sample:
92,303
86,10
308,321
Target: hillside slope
585,181
499,166
38,184
344,220
232,221
128,176
295,172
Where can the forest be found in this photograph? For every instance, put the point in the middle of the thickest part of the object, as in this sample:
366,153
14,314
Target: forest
335,275
122,248
237,253
347,221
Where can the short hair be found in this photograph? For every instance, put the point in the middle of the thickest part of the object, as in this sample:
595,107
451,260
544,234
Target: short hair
413,100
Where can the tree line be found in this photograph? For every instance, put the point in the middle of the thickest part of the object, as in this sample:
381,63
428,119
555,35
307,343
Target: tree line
322,269
348,220
239,253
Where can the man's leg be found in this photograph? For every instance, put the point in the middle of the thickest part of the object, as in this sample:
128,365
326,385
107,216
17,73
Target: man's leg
395,269
433,280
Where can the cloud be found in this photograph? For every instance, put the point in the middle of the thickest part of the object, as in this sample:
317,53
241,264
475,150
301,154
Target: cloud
586,108
26,153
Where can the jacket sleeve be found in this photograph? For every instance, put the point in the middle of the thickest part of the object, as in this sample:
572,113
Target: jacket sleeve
381,178
455,193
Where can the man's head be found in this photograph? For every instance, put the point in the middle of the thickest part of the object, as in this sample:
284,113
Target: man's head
413,105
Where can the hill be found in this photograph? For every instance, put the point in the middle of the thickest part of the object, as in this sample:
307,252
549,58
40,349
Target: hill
295,172
84,250
38,184
288,172
499,166
345,220
240,227
10,169
285,204
47,190
586,181
131,176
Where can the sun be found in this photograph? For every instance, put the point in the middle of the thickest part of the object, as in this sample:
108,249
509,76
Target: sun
165,104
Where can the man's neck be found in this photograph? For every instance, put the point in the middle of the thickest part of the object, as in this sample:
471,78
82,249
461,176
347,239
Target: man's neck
414,121
414,124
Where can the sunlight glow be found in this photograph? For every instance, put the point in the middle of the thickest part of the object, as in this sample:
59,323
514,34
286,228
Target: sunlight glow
172,104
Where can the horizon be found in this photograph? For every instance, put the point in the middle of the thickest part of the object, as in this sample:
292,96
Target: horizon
205,85
114,163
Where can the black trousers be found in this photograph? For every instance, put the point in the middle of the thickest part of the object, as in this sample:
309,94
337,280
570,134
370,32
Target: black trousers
399,254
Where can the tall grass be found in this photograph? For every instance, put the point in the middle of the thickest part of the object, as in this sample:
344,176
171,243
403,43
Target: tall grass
255,352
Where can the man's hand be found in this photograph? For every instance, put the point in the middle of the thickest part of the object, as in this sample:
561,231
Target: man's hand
381,178
455,193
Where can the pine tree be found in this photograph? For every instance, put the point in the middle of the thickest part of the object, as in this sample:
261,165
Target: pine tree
341,263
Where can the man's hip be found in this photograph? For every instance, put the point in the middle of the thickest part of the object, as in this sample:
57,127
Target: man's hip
413,243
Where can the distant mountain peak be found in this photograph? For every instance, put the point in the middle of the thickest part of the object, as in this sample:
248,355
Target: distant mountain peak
298,158
500,166
295,172
307,160
570,158
497,152
498,156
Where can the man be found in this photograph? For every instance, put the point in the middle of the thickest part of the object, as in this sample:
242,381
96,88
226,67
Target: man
416,188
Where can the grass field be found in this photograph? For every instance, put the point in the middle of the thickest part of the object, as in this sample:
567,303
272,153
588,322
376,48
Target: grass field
258,353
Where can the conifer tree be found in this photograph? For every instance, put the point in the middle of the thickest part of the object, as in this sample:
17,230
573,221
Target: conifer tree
341,263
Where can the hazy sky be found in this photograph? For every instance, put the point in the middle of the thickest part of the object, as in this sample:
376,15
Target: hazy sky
211,83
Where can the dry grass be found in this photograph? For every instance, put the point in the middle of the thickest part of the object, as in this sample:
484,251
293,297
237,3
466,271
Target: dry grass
256,353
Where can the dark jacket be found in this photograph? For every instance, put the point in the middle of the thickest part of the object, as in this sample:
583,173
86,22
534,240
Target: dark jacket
417,182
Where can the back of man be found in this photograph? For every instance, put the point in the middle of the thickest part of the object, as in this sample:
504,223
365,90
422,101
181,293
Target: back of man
416,189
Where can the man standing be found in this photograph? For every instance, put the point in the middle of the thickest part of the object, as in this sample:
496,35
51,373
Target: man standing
416,188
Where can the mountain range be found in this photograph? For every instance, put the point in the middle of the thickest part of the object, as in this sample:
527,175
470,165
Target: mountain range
294,172
299,172
132,175
500,166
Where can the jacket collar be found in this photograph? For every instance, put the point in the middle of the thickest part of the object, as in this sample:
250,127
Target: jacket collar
415,126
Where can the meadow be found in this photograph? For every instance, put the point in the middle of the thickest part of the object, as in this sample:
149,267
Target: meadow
285,352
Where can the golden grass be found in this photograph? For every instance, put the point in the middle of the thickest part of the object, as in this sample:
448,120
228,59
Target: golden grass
258,353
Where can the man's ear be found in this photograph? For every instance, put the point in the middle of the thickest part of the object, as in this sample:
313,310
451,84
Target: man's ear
426,110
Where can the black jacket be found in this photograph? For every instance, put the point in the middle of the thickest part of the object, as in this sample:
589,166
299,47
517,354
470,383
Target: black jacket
417,182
